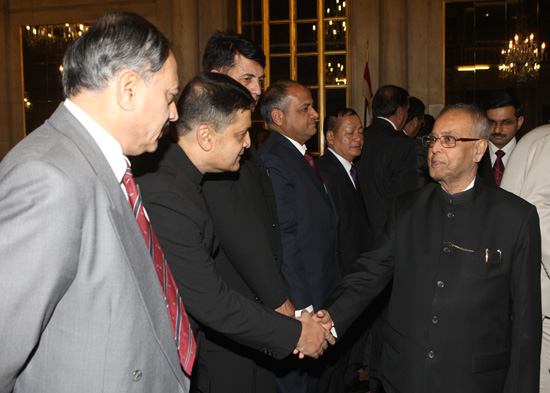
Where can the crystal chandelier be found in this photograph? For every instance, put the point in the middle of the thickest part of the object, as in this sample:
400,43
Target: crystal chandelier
55,34
521,60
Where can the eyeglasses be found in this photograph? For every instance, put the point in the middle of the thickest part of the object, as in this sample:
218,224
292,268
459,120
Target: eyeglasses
446,140
503,123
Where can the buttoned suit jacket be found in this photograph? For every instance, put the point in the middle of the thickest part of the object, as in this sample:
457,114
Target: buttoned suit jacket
178,211
387,168
464,313
354,234
244,213
82,307
527,175
308,224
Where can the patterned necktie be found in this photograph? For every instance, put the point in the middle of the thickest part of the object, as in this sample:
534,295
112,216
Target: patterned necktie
312,163
180,323
498,168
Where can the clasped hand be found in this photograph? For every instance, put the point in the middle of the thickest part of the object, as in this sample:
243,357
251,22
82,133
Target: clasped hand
315,335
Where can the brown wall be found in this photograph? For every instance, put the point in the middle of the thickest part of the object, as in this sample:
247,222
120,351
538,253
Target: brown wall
405,41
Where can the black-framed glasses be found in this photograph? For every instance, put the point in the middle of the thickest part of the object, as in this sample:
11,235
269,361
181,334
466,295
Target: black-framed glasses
503,123
446,140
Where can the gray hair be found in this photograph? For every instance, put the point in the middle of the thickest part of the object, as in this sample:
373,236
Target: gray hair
275,98
116,41
480,125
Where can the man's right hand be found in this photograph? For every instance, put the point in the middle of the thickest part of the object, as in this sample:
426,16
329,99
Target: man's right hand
314,338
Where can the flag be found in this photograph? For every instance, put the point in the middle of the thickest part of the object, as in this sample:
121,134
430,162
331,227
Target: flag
367,90
367,86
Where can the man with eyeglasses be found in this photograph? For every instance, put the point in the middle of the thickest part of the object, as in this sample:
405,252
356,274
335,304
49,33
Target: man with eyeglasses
505,116
465,311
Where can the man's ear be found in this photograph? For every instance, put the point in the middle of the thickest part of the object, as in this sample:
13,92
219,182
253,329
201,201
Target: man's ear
520,121
127,85
215,70
479,149
330,138
205,136
277,116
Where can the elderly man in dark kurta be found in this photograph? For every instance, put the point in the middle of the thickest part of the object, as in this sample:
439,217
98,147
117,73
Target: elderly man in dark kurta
464,312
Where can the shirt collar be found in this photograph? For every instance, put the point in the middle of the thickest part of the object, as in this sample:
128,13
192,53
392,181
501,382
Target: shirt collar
301,148
506,149
108,145
343,161
389,121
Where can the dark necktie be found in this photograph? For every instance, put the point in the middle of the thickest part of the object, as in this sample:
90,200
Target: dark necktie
180,323
498,168
353,173
312,163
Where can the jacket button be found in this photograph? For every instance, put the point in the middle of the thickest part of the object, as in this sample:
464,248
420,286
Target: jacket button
137,375
446,250
450,215
440,284
434,319
431,354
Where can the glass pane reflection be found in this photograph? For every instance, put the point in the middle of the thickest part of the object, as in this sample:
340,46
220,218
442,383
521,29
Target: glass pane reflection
306,9
251,10
279,10
280,68
335,35
335,70
335,99
306,37
253,33
307,70
279,37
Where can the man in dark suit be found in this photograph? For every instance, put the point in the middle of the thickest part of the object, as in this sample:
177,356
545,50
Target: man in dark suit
387,168
243,210
307,218
82,306
344,134
213,140
465,310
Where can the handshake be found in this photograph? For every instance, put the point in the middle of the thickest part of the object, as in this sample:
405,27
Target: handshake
315,335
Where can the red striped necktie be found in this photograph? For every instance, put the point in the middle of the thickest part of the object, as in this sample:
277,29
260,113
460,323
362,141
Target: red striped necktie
180,323
498,168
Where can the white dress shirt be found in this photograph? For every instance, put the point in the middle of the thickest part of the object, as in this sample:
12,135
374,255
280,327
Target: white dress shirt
506,149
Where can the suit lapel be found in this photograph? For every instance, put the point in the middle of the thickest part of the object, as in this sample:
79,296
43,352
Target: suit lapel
131,240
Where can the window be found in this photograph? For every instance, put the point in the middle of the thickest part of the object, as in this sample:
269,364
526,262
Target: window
304,40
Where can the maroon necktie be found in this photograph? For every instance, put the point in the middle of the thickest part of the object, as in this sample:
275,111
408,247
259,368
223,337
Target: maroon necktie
498,168
180,323
312,163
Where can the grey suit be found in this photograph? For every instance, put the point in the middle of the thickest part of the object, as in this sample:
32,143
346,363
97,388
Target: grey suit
82,309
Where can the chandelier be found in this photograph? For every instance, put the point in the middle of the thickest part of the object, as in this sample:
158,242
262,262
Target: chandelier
521,60
53,34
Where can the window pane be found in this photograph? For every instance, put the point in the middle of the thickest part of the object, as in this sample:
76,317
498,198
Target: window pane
306,9
278,10
280,68
252,10
253,33
335,70
315,96
335,7
307,37
279,38
335,99
335,35
307,70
